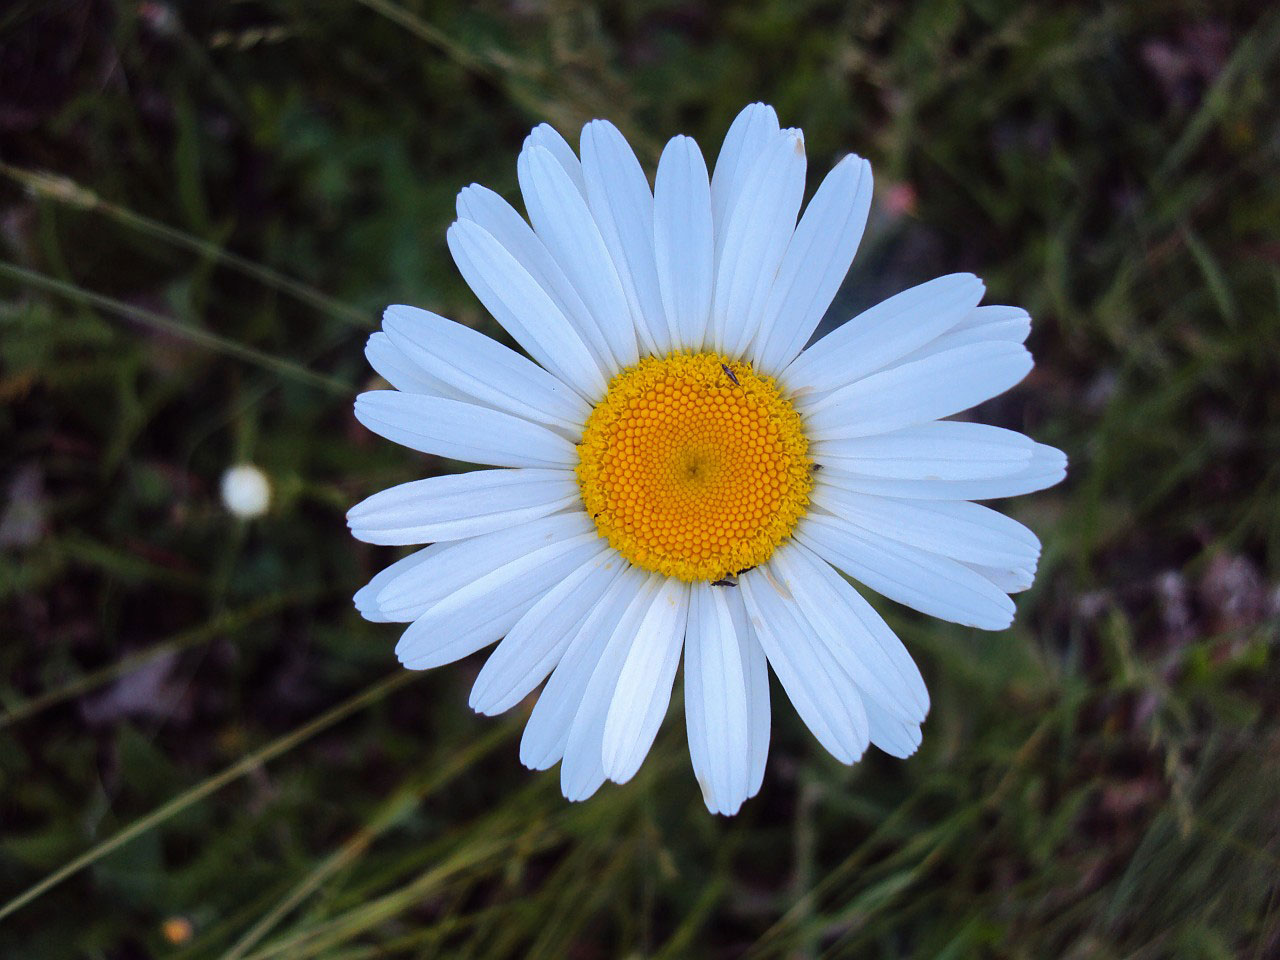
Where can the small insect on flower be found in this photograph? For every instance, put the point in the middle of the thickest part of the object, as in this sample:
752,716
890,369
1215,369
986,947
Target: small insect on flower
631,475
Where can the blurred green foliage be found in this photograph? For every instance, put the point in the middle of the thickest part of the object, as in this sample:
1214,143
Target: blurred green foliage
203,207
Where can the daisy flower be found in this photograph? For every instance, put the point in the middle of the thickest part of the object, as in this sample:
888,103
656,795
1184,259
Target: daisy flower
678,475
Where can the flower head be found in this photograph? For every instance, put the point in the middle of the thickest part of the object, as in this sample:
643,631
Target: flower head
246,491
680,477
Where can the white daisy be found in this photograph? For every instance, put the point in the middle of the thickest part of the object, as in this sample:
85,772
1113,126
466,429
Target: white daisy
678,476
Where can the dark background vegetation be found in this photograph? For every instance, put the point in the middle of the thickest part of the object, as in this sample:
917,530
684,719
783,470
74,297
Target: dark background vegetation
205,753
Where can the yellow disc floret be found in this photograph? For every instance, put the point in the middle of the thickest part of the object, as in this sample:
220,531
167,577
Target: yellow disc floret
694,466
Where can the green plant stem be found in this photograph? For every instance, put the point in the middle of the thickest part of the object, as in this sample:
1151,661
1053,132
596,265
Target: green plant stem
170,326
64,190
203,789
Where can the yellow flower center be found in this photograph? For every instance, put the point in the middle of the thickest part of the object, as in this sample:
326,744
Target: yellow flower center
694,466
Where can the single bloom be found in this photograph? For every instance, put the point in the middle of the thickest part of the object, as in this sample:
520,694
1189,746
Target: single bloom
678,474
246,491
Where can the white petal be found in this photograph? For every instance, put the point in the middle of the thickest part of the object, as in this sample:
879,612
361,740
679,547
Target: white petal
896,737
548,137
643,691
402,373
462,431
523,307
751,131
877,337
825,697
758,228
461,505
715,701
483,369
943,450
1011,324
452,565
532,648
547,731
620,200
563,221
582,770
480,612
366,598
816,261
1000,322
757,676
1046,467
1010,579
958,529
927,389
499,218
683,242
935,585
857,637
